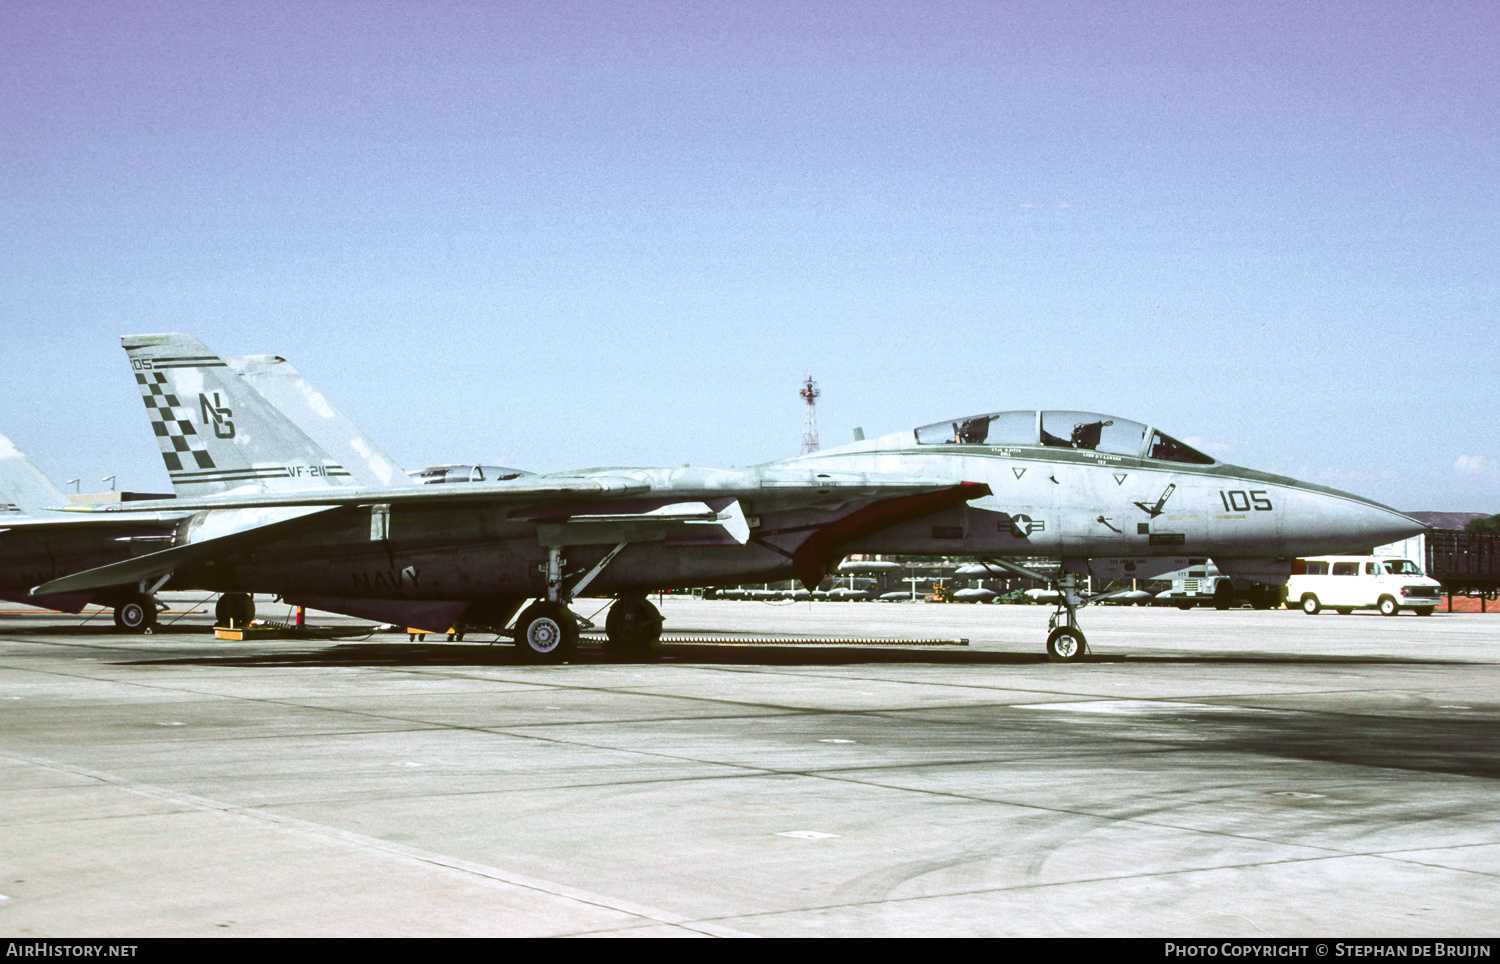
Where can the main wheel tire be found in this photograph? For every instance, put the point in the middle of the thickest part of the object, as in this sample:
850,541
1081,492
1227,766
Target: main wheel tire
136,615
1310,604
632,628
234,610
547,633
1066,644
1388,606
1223,596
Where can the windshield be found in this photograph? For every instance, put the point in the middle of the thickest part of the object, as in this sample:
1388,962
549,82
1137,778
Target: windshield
1402,567
1168,449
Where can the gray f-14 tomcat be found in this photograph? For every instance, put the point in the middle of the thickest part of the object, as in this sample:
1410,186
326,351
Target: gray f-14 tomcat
272,512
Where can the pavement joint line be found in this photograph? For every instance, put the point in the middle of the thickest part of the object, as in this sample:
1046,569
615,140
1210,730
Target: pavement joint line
549,686
1396,855
1145,820
296,824
1013,686
1041,886
784,711
460,794
418,724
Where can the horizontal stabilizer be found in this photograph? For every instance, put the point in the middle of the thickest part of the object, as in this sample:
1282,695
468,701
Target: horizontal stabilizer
213,536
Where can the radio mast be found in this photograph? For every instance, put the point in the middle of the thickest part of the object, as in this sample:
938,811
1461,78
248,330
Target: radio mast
810,394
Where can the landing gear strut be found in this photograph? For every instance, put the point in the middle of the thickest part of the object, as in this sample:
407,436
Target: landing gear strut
1065,641
548,631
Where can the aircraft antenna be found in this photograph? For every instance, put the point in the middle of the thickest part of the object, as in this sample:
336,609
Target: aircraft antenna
810,394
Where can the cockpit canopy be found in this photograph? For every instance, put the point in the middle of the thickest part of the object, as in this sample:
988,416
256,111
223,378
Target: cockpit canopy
1068,430
434,474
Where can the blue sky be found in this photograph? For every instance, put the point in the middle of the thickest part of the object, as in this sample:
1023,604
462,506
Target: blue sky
557,235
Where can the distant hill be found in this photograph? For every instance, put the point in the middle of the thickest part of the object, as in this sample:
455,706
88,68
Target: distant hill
1448,520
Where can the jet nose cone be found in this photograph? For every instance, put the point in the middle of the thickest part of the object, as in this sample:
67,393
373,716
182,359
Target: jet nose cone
1385,526
1321,521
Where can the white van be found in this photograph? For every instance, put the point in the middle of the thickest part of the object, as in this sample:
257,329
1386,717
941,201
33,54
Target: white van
1347,583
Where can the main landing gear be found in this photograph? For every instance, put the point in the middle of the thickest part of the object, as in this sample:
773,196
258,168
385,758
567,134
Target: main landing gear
547,631
136,613
633,628
234,610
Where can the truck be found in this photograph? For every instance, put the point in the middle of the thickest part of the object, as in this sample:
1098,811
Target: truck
1202,584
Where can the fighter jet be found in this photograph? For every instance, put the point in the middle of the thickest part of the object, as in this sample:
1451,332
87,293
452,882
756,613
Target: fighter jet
1112,498
272,511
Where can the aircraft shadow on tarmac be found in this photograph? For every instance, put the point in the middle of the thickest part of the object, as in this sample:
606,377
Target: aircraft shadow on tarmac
503,653
360,649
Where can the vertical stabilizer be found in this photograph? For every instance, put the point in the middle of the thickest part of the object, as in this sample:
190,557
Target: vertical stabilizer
216,432
291,394
24,490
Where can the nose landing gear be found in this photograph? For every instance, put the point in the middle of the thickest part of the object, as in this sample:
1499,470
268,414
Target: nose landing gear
1065,641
